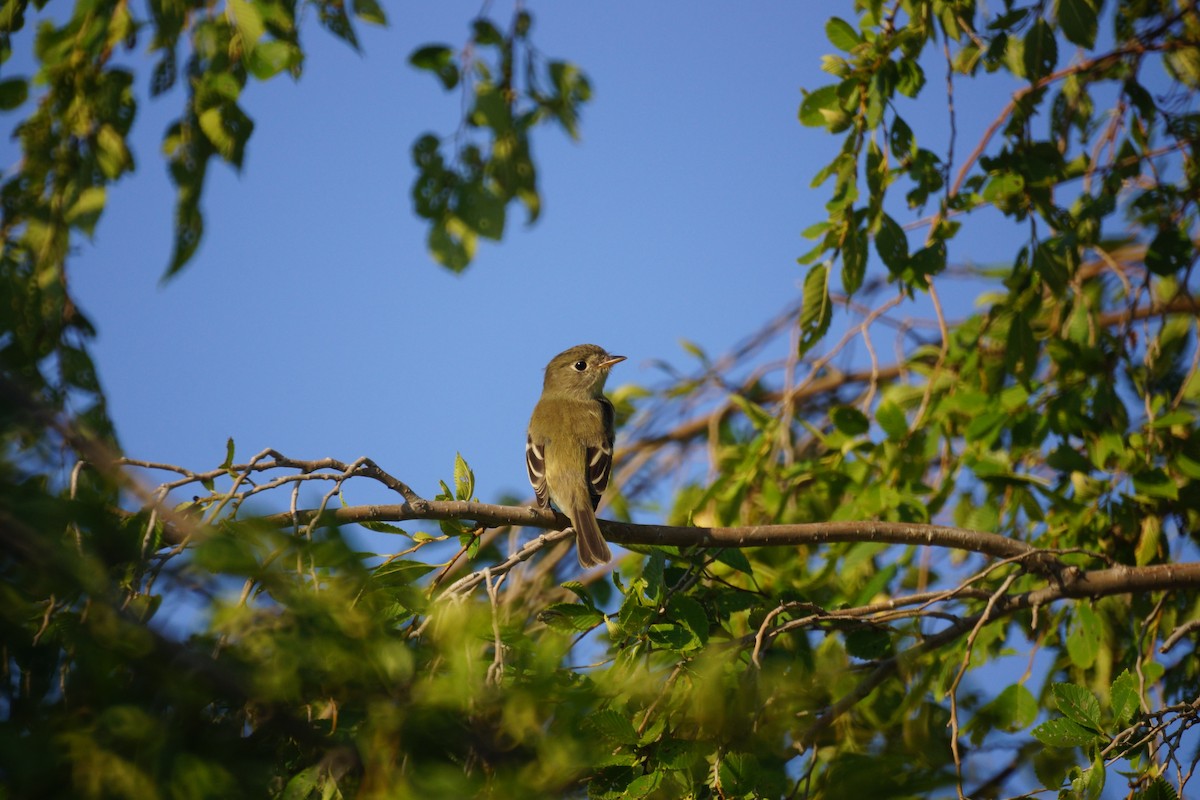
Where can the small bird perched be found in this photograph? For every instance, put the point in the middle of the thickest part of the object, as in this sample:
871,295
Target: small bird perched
569,449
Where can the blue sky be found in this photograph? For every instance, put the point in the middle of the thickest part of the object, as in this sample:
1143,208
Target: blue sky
313,321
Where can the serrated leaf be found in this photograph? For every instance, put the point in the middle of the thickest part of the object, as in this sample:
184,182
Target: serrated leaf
1159,789
1063,733
1077,704
614,726
580,591
401,571
671,636
1123,696
570,617
842,34
690,615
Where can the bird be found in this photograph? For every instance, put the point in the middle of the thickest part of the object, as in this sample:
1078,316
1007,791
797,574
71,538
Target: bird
569,447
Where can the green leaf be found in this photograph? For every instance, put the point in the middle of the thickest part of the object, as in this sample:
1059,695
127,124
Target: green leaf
271,57
464,479
868,643
1183,64
1041,51
1148,540
570,617
482,210
1052,766
1077,704
400,572
487,33
900,139
1169,252
1014,709
891,242
1124,698
735,559
333,18
892,420
578,589
438,59
1090,783
910,77
821,108
854,261
85,212
1050,263
613,725
849,420
369,11
690,615
1078,21
1155,483
227,129
229,450
13,92
112,154
1002,186
842,34
1083,636
1063,733
816,310
452,244
739,773
1159,789
671,636
248,20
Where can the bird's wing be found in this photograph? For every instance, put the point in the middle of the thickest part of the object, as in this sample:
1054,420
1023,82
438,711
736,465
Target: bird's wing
599,459
535,465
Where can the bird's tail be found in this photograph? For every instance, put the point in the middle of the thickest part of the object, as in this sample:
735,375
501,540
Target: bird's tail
593,550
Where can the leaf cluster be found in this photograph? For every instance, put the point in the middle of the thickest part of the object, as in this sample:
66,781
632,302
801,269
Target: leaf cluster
465,186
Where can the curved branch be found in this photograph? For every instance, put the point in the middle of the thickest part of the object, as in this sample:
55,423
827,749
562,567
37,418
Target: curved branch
812,533
1071,583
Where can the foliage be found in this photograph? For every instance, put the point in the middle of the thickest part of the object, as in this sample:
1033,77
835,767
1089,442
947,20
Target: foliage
467,196
866,653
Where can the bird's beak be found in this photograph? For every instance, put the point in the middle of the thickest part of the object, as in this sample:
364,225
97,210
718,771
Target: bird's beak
610,361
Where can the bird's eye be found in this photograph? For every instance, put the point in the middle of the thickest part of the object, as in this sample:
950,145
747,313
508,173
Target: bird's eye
580,366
